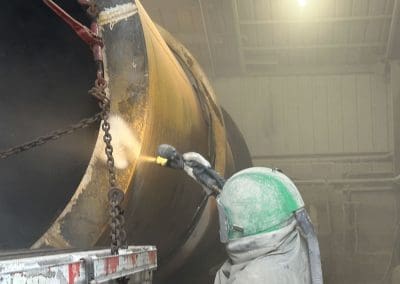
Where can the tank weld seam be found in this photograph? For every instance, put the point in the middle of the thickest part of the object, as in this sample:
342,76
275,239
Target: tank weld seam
111,16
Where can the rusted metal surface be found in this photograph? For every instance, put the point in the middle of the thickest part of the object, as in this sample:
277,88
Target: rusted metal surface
85,219
168,112
96,266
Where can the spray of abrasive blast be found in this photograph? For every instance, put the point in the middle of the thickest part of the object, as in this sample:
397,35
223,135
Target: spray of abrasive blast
148,159
126,145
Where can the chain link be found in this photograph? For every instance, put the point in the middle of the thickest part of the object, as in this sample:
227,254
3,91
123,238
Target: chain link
57,134
115,194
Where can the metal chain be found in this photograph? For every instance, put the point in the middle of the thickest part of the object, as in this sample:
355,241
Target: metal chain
115,194
57,134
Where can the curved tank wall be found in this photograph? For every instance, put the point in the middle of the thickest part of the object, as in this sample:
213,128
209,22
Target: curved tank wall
57,195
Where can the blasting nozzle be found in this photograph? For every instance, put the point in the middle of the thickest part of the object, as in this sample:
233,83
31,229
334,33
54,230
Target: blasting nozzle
168,156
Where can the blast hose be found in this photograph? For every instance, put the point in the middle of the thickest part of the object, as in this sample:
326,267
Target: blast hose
304,221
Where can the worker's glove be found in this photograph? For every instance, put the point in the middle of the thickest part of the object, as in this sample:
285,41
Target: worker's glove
192,160
194,165
200,169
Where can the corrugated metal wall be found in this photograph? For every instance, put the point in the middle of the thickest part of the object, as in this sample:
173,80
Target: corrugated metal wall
301,115
333,134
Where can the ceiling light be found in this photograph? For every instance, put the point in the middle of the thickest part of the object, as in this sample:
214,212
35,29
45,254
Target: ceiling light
302,3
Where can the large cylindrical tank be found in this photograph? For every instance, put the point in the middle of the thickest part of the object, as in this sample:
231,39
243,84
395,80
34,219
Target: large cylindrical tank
56,196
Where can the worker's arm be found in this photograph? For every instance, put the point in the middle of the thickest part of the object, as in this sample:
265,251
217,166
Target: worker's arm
197,167
194,164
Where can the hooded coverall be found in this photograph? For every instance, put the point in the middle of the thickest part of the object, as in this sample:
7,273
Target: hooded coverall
278,257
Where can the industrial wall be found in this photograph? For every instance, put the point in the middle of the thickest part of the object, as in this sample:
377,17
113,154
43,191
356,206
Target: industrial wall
333,134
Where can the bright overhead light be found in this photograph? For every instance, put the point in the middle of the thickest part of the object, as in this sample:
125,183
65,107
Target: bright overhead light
302,3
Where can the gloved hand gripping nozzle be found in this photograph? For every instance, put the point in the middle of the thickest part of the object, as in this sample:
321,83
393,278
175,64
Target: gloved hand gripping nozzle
194,164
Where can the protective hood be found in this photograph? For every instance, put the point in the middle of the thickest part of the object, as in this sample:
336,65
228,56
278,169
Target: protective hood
278,257
254,201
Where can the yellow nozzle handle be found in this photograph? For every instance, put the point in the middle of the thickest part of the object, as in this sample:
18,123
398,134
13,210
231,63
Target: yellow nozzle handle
161,161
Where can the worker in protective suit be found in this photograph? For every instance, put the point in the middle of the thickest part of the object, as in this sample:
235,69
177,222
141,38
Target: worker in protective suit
267,232
259,227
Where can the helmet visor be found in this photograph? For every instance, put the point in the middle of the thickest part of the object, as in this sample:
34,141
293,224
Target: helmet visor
223,223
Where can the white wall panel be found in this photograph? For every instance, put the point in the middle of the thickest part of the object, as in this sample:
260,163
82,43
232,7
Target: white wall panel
335,114
308,115
349,106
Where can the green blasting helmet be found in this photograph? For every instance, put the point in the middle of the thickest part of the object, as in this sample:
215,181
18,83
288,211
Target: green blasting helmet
256,200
